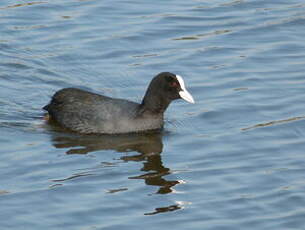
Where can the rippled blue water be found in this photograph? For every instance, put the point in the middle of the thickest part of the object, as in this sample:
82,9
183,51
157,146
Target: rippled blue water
234,160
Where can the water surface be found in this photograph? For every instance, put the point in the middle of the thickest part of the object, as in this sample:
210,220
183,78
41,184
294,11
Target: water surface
234,160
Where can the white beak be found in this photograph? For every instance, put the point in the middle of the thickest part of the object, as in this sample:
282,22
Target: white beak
184,94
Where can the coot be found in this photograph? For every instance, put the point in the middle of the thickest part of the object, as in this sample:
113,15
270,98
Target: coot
86,112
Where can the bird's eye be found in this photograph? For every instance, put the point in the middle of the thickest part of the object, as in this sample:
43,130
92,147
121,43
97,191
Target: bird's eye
174,84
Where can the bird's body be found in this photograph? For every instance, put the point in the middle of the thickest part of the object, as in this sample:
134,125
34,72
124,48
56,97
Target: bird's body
100,114
87,112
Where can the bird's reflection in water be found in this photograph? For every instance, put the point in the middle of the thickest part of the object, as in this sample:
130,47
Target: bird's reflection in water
155,172
148,146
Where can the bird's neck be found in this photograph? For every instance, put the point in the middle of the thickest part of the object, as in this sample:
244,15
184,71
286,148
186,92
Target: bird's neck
154,102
